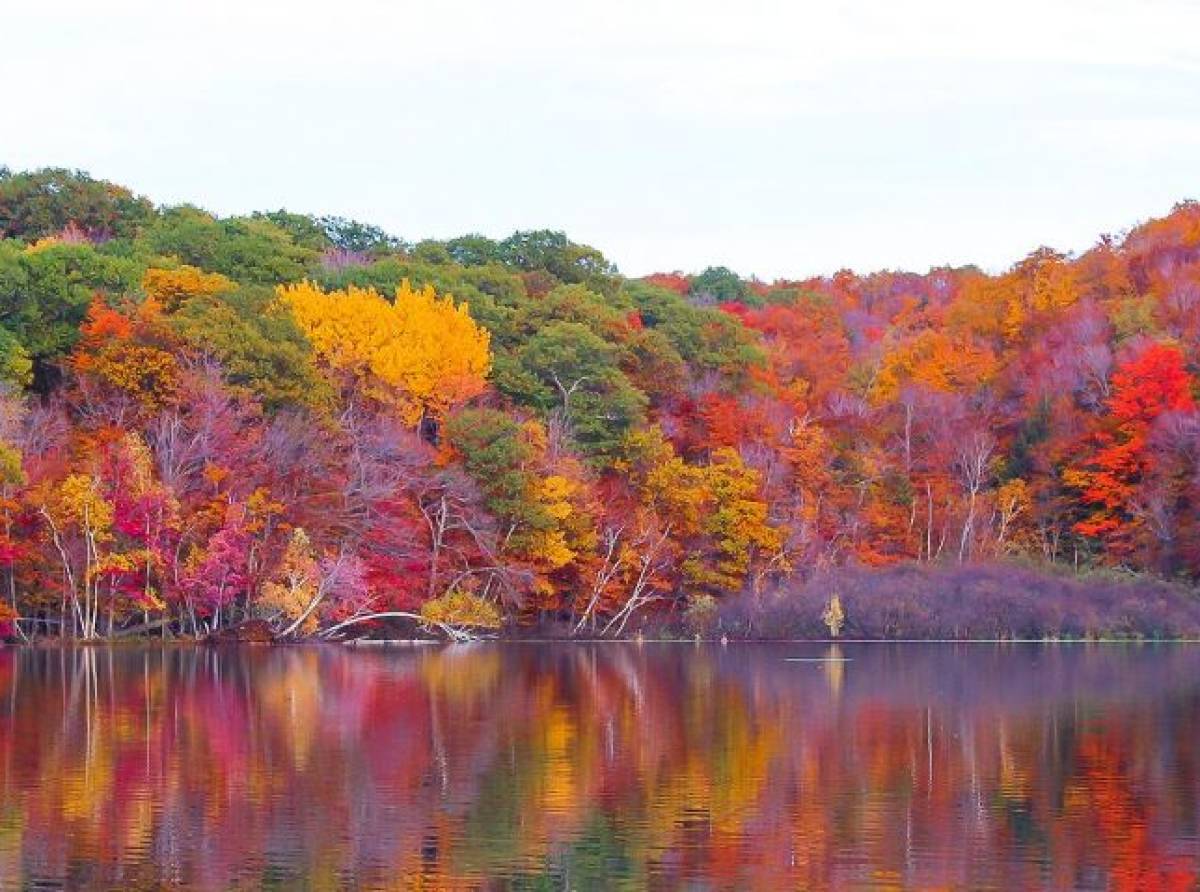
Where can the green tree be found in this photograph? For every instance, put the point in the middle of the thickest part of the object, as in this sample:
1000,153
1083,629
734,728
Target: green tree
431,251
45,292
706,338
366,238
719,284
545,249
473,250
258,343
497,457
252,251
305,229
569,303
38,203
568,372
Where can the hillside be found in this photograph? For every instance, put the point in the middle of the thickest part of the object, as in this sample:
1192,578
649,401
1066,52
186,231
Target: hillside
306,420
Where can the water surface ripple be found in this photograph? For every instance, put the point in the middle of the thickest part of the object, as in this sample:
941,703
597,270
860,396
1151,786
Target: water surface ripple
579,766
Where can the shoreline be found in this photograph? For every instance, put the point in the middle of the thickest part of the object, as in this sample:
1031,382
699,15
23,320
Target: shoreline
386,643
973,603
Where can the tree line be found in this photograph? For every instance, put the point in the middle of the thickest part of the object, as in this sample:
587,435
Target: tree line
309,422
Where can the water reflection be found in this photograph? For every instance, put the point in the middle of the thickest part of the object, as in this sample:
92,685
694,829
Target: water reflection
577,766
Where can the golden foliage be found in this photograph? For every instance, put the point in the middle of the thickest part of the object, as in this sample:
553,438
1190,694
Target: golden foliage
12,470
171,287
935,360
716,511
141,463
459,608
80,502
148,374
1040,287
294,585
553,497
421,353
737,522
1014,511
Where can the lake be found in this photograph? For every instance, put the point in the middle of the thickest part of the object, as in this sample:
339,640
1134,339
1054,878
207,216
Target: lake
581,766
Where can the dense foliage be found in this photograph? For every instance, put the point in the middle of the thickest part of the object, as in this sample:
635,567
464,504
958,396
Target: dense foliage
305,421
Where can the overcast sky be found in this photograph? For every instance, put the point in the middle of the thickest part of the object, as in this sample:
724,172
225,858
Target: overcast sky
780,139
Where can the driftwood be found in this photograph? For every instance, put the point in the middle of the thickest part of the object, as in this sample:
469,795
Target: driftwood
258,631
454,633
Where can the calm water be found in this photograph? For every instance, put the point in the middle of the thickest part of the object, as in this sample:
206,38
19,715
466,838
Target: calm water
579,766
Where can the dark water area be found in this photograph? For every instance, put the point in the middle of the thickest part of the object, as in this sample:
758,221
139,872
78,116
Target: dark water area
576,766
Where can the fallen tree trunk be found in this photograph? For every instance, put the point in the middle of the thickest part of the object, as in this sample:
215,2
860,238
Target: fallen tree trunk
454,633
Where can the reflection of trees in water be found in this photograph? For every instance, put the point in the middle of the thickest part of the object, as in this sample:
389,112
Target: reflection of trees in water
917,765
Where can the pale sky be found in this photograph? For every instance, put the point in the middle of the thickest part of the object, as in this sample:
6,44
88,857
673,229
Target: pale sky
777,138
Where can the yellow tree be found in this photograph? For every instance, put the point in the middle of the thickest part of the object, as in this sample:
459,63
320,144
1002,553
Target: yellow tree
985,306
736,523
291,591
80,521
171,287
561,530
1012,513
1053,283
1040,286
420,354
935,360
700,526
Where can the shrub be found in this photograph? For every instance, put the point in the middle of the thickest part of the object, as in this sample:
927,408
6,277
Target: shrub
969,601
456,608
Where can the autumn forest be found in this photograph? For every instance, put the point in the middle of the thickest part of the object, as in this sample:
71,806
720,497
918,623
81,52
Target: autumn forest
314,428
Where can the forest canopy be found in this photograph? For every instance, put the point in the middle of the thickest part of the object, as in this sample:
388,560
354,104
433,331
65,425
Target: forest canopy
307,421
